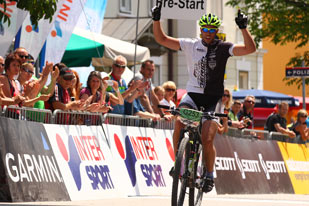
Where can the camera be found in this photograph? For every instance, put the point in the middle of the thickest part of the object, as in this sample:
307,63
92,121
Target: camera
110,82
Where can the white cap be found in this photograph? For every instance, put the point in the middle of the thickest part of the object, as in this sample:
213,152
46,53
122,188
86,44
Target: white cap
104,75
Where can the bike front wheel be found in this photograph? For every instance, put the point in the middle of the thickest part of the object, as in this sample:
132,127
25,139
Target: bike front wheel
180,181
196,193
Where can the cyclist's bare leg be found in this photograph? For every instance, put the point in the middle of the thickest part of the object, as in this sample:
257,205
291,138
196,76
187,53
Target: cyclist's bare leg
209,130
176,134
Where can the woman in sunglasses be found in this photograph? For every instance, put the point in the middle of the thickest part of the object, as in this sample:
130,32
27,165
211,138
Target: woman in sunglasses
169,93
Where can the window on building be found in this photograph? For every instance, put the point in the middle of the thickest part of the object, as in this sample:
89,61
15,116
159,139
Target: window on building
125,6
243,80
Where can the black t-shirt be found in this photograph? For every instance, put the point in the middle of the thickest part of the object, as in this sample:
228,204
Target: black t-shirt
274,119
216,59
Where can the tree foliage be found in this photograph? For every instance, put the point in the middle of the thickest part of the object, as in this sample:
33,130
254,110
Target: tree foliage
38,9
281,21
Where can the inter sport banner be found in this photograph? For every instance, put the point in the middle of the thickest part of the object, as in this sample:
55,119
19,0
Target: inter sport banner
296,157
33,38
8,32
86,162
144,156
182,9
28,167
246,166
63,27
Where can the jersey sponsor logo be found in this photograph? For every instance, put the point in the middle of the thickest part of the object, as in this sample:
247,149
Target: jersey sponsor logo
245,166
86,149
141,149
33,168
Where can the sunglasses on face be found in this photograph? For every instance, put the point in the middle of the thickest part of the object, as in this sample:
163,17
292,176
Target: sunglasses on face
210,30
68,78
2,65
28,71
303,116
226,95
120,66
170,90
23,56
250,101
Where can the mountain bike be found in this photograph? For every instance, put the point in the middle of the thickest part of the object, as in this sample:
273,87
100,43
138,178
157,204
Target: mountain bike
189,169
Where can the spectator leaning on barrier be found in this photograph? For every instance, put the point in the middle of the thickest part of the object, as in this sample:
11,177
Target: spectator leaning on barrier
148,99
300,126
138,109
277,122
246,113
9,88
25,86
108,97
118,67
92,94
1,65
61,98
233,119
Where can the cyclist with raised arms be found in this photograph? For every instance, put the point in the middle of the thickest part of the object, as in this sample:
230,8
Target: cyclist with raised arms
206,60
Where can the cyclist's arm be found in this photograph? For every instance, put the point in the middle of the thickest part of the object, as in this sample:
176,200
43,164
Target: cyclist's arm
163,39
248,47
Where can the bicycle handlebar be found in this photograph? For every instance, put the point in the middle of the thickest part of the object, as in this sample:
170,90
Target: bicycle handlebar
192,113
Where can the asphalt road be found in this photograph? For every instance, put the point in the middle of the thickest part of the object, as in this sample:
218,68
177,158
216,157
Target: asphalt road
209,200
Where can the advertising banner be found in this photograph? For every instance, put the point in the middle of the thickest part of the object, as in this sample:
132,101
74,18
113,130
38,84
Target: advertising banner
145,156
86,163
182,9
62,30
31,170
250,166
33,38
296,157
8,32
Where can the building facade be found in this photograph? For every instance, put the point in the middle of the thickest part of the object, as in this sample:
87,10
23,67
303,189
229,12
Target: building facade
241,72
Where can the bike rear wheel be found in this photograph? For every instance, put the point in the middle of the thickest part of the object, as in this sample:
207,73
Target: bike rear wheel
179,181
195,193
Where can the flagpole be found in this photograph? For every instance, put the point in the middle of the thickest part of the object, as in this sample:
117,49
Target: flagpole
136,33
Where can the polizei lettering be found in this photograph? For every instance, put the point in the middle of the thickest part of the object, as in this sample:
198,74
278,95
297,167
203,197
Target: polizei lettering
32,168
187,4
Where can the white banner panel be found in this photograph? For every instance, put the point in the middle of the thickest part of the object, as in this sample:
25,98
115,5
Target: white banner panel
146,156
8,32
33,38
87,165
63,27
182,9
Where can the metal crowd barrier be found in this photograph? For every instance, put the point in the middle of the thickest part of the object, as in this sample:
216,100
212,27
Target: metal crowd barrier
88,118
126,120
77,118
28,113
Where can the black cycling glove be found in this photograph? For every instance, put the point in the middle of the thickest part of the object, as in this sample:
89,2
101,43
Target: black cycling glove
156,13
241,20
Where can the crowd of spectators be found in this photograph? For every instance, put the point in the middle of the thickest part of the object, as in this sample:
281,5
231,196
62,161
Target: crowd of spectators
110,93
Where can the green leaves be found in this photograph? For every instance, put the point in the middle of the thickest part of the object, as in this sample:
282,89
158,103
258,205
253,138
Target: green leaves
38,9
282,21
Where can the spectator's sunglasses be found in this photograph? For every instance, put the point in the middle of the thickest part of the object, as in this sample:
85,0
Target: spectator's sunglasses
28,71
250,101
2,65
23,56
226,95
210,30
119,66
